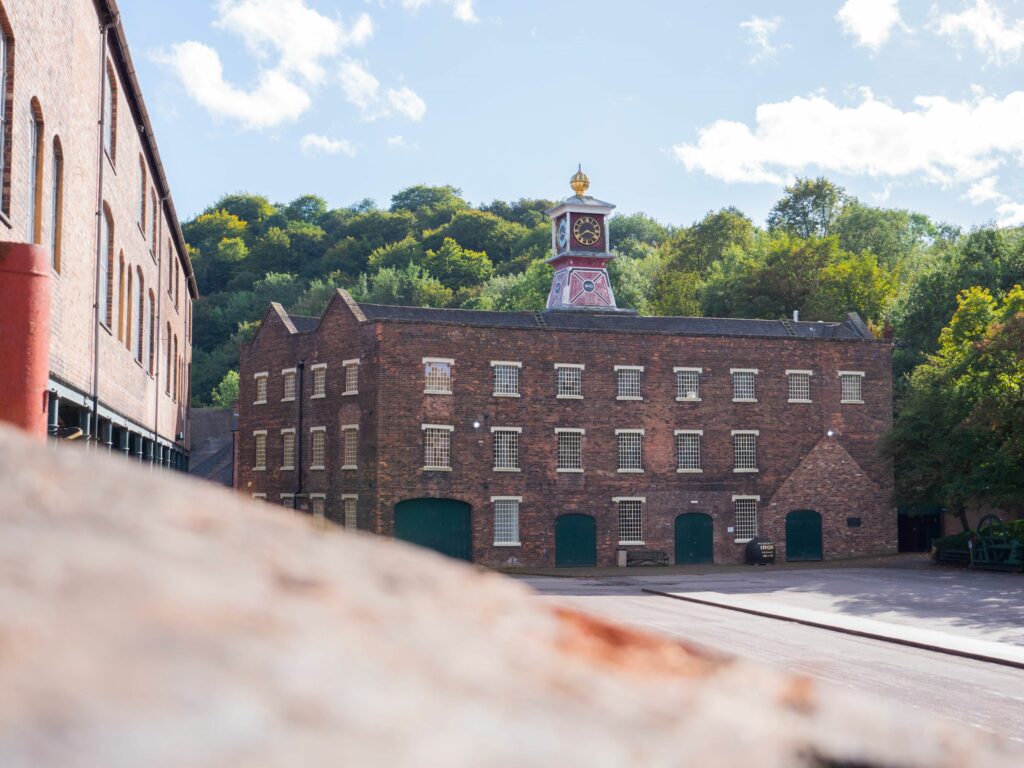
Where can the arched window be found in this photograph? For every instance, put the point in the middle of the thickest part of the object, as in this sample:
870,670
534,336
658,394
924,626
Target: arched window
110,113
57,204
142,193
156,214
129,322
35,174
150,353
140,314
175,358
177,285
167,369
170,269
106,266
6,90
121,278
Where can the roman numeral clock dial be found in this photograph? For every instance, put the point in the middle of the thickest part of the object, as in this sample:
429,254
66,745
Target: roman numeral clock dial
586,230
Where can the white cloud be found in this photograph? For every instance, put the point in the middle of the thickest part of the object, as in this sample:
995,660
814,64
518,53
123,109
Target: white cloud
406,102
759,37
870,22
313,144
400,142
1001,42
984,191
461,9
274,101
937,141
1010,214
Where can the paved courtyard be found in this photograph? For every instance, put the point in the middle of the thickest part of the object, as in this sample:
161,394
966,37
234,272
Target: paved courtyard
956,606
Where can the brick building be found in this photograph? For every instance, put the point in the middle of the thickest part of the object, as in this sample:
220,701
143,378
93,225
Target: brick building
564,437
92,246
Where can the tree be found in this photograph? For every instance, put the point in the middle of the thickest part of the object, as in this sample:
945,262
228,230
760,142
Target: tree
225,394
432,206
526,291
252,209
853,283
479,231
809,208
308,208
696,248
406,251
411,287
891,235
458,267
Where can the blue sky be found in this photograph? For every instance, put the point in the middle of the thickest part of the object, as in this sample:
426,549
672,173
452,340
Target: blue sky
674,108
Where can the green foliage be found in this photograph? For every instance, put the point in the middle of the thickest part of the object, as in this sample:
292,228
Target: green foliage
306,208
252,209
696,248
458,267
479,231
409,250
411,286
225,394
809,208
515,293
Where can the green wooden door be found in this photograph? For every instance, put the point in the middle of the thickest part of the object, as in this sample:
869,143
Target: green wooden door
803,535
575,541
694,538
439,524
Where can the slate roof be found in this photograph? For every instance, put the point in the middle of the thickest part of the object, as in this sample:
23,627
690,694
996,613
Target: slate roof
304,324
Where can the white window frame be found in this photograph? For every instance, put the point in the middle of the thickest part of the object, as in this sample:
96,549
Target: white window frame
345,430
285,431
318,497
265,376
288,496
733,433
571,366
259,467
313,431
447,428
315,368
639,382
354,519
295,384
756,500
851,373
618,452
789,397
684,369
495,364
732,375
518,500
643,503
261,496
494,454
450,362
346,366
700,451
558,452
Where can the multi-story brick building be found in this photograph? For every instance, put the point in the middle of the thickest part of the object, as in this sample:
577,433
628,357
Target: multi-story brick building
92,245
566,436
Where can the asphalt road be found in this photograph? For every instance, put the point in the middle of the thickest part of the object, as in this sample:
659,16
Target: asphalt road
974,693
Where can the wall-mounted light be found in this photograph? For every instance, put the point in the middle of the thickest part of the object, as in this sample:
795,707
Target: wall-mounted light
476,425
830,433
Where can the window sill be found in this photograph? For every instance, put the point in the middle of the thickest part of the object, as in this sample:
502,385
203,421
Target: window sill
259,402
744,399
568,470
507,544
287,399
437,469
690,471
436,392
259,469
747,471
505,394
106,328
630,471
141,230
627,397
568,397
687,399
317,397
794,400
317,468
851,402
288,469
632,543
743,541
349,467
507,469
353,392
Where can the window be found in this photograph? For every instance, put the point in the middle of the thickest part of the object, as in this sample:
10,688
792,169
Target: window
630,449
318,447
317,505
631,511
260,440
106,266
128,310
506,378
351,368
350,446
110,113
688,384
56,203
627,378
851,386
288,500
142,194
288,448
140,314
168,367
437,446
798,384
743,390
121,278
351,519
6,66
177,287
35,174
688,450
288,374
319,380
155,218
437,376
744,450
170,269
506,448
150,329
261,388
570,381
506,520
570,450
745,512
174,395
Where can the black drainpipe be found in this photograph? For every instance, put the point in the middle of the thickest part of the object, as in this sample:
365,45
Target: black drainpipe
301,435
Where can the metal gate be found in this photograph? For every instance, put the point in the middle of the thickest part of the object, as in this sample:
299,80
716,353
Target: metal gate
803,535
575,541
694,538
439,524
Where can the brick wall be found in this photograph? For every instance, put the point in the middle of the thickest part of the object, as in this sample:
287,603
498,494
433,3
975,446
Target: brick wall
800,466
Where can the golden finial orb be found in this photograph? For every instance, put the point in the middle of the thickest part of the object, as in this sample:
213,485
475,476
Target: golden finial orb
579,182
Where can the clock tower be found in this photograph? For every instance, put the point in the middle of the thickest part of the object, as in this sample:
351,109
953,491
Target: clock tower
580,249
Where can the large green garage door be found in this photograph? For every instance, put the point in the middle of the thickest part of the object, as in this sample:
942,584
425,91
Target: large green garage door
575,541
694,538
803,535
440,524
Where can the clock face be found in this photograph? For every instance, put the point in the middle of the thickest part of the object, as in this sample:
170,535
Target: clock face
563,233
586,230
